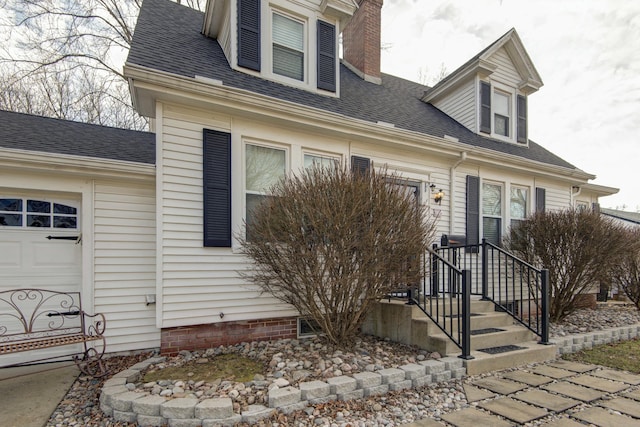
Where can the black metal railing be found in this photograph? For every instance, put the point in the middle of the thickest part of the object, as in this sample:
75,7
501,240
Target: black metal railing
450,311
513,285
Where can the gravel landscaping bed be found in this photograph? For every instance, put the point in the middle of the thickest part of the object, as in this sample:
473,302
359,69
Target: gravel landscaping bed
292,361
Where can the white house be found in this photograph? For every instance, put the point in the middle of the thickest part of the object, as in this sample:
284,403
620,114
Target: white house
240,96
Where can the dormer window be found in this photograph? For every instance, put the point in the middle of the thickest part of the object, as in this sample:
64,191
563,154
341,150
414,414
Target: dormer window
291,46
501,113
288,47
498,107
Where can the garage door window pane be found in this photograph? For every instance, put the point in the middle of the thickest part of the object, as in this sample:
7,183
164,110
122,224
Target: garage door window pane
64,222
38,206
64,209
7,216
11,205
10,220
38,221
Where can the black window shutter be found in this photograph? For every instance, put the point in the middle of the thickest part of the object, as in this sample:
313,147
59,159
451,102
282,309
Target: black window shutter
326,56
522,119
360,164
595,207
473,210
541,195
249,34
216,173
485,107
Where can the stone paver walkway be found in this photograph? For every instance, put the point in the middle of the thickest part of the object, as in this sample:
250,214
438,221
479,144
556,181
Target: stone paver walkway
553,394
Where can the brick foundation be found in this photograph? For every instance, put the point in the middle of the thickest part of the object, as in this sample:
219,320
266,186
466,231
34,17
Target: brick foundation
200,337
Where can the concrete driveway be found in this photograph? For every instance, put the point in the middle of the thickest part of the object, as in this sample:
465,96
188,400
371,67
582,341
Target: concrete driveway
30,394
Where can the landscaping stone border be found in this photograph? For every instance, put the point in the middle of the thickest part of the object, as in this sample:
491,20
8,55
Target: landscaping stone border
122,404
586,341
118,401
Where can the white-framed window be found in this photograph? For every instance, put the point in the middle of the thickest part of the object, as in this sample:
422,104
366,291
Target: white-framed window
518,205
492,212
36,213
321,160
582,206
502,113
264,167
288,46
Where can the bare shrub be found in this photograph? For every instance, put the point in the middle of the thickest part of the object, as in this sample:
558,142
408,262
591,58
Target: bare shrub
627,272
331,243
580,249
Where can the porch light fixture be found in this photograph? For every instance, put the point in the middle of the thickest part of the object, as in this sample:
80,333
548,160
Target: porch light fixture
438,196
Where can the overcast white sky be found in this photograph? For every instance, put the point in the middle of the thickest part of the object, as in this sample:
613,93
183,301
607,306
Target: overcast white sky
586,51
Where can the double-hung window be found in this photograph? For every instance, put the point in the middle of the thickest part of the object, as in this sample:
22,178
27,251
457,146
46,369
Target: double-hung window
288,47
492,212
323,161
502,113
264,167
518,204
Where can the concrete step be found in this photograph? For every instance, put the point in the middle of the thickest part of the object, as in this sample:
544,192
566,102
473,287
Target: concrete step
509,335
478,320
444,305
532,352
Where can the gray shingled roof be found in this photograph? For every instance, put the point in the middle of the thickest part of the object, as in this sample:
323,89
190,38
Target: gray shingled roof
35,133
168,38
633,217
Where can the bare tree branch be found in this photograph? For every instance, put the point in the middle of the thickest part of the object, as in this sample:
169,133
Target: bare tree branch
53,48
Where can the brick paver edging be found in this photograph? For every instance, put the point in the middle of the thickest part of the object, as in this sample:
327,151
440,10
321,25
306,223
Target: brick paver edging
125,405
575,343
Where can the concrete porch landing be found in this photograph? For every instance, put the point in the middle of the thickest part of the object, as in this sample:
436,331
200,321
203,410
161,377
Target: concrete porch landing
407,324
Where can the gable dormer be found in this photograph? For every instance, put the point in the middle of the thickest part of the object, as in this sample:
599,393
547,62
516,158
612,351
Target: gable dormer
489,93
293,43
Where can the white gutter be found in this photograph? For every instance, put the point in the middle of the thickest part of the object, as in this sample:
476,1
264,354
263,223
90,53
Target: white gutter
74,165
169,87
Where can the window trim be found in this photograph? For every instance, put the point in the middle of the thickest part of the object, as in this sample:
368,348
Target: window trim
25,213
245,190
325,155
305,46
509,118
483,215
527,202
516,118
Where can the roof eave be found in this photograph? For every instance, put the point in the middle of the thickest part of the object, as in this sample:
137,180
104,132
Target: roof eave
600,190
74,165
234,100
479,67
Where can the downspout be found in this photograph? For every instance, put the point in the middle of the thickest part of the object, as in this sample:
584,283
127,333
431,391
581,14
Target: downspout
452,198
574,195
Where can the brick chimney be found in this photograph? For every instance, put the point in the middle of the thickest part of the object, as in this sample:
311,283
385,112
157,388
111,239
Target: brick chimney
361,41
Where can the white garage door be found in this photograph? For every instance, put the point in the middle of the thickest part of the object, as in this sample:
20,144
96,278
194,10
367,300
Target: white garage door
39,248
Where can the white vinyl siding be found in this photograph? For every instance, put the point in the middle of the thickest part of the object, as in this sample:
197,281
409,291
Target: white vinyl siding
125,263
460,105
224,34
198,283
506,72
